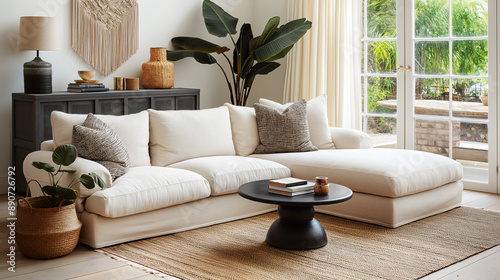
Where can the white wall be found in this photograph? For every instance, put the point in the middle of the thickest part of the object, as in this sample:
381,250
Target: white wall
159,21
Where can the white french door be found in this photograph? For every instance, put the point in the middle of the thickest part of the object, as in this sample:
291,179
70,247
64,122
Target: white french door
426,65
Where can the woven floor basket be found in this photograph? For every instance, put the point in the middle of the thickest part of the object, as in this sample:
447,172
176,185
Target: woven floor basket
44,233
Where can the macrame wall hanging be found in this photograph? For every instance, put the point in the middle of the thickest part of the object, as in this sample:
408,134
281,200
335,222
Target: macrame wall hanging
105,33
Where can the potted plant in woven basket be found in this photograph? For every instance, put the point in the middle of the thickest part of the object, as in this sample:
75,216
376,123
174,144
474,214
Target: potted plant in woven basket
47,226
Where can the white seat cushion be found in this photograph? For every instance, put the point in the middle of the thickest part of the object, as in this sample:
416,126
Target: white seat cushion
132,129
181,135
147,188
227,173
384,172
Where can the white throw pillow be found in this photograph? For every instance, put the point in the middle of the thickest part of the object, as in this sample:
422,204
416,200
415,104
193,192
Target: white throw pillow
181,135
132,129
244,128
317,119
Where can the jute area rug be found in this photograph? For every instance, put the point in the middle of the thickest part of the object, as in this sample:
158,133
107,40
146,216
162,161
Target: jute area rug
355,250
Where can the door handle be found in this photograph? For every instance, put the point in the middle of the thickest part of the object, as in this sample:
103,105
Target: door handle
402,68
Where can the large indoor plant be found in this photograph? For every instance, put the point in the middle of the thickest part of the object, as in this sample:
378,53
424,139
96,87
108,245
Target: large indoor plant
47,226
252,56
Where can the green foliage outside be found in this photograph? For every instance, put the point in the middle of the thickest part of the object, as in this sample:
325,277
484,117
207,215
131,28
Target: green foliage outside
470,57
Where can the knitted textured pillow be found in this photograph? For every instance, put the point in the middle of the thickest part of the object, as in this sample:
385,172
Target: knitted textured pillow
96,141
283,132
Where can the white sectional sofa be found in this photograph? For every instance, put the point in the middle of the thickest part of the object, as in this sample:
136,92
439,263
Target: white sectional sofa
186,167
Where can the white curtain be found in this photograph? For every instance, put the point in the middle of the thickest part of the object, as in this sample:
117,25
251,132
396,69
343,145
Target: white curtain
328,59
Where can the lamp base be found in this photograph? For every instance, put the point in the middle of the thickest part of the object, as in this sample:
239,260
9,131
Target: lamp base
37,76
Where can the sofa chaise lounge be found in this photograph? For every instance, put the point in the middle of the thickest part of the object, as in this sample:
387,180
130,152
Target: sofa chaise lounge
186,167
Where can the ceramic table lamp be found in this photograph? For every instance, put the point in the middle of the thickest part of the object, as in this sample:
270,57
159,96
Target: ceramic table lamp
37,34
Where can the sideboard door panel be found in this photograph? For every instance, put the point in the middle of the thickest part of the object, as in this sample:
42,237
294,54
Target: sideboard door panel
111,107
81,107
164,103
136,105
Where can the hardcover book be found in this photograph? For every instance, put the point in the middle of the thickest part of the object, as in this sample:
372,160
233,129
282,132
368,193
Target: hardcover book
287,182
290,193
308,186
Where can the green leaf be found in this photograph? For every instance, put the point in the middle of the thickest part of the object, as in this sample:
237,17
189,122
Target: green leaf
281,54
99,181
90,180
243,48
217,21
197,44
269,30
64,155
67,193
87,181
262,68
44,166
203,58
49,190
278,45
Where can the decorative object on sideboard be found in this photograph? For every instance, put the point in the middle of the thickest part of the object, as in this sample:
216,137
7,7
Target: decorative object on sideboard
86,85
86,75
118,83
274,43
105,33
322,186
38,34
47,226
132,83
158,72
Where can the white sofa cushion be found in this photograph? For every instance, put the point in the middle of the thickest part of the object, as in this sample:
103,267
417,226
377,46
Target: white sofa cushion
132,129
181,135
147,188
227,173
384,172
317,119
244,129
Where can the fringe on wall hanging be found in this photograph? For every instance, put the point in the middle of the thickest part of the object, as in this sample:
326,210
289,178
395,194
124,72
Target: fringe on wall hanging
105,33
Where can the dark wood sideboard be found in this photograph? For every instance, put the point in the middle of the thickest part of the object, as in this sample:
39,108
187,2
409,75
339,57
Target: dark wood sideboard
31,113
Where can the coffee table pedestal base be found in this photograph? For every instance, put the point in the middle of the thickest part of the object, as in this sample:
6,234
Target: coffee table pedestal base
296,229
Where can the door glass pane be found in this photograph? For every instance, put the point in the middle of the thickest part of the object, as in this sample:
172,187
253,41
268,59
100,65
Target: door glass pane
432,57
383,131
382,57
431,97
470,57
431,18
381,19
433,136
363,94
470,18
382,95
472,150
467,95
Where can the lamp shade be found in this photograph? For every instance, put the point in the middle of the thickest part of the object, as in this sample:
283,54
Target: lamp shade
38,33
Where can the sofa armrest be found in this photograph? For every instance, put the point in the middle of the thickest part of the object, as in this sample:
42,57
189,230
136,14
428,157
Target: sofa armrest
48,146
83,166
346,138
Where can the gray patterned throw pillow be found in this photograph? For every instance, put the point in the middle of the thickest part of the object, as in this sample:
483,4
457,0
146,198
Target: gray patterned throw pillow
96,141
283,132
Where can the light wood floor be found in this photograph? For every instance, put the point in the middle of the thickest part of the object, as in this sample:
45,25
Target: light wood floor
85,264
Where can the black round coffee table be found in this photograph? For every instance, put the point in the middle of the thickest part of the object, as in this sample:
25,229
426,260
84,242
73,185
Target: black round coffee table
296,228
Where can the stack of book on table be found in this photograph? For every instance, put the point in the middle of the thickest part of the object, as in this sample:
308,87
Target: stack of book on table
86,86
290,186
